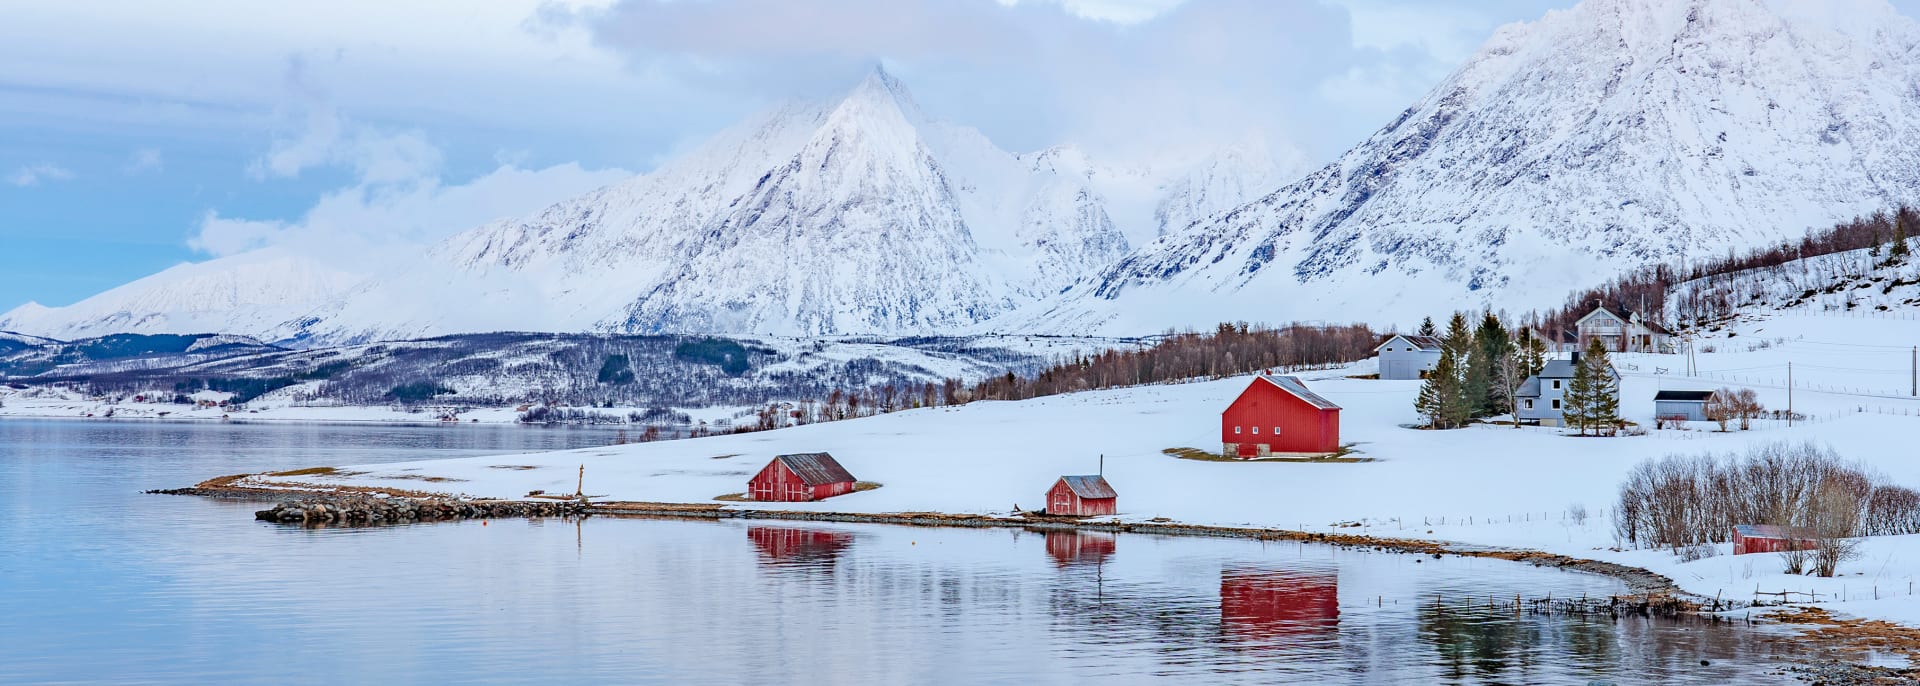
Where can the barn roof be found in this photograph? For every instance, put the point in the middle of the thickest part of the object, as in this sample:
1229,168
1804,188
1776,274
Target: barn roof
815,469
1090,486
1421,342
1771,531
1292,384
1698,396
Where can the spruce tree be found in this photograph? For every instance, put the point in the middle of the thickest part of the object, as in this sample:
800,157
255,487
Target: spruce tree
1603,406
1426,327
1439,396
1462,404
1491,345
1898,251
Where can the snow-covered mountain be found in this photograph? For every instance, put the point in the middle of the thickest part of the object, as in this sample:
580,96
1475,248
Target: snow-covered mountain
246,293
862,215
1608,135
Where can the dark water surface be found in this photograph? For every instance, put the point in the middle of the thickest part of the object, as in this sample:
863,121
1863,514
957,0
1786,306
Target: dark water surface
100,583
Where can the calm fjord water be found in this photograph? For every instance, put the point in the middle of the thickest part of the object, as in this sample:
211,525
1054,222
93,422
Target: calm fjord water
100,583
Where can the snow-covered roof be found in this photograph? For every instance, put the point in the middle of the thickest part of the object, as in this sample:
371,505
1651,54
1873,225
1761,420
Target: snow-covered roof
1090,486
1292,384
815,469
1421,342
1771,531
211,395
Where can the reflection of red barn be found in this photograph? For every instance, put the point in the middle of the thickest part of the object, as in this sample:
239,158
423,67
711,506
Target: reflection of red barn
1082,496
786,544
1766,538
1277,414
1279,603
1079,547
798,477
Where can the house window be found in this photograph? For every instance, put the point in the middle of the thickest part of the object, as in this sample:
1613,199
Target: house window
1556,384
1556,403
1236,431
1529,403
1276,431
1256,431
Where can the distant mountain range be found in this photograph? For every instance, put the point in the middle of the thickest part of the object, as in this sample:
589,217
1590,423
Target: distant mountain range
1593,140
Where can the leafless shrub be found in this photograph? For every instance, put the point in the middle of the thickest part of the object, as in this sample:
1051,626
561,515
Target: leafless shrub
1578,513
1681,502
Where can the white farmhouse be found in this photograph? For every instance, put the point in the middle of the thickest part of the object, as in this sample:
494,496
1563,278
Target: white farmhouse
1407,357
1623,331
1543,395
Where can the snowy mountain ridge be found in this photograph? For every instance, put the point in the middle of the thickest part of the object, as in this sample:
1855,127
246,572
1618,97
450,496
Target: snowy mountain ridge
861,215
1612,134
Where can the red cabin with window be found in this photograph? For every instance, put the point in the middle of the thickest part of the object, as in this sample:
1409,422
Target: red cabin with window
1082,496
800,477
1278,415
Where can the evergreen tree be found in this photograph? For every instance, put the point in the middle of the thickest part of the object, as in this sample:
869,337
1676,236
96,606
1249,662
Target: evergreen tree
1532,351
1440,399
1603,410
1426,327
1452,401
1490,347
1593,396
1898,251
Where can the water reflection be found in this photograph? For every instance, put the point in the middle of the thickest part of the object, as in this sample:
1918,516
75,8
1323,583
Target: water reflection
1077,548
798,547
1266,606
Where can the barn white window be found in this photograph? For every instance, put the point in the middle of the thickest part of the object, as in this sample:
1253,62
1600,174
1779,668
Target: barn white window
1236,431
1276,431
1256,431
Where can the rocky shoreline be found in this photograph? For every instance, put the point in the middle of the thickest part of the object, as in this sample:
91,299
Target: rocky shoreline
369,510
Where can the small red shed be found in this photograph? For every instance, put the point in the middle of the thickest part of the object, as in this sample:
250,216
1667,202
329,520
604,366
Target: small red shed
1767,538
800,477
1277,414
1083,496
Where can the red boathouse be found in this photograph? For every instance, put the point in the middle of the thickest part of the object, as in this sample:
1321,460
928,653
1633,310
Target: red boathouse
1083,496
1278,415
800,477
1767,538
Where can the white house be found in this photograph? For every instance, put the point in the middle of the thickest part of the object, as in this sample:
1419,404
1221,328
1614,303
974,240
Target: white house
1623,331
1407,357
1542,395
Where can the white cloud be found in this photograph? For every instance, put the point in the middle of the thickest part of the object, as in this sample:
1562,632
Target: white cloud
355,223
143,161
33,174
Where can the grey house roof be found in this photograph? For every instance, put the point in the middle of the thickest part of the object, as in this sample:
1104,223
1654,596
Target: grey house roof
1292,384
1554,369
1422,342
1697,396
815,469
1090,486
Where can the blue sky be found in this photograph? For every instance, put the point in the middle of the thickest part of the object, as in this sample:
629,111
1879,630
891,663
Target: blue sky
134,136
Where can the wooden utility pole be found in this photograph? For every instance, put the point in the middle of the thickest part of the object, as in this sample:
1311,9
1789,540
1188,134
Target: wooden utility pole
1789,394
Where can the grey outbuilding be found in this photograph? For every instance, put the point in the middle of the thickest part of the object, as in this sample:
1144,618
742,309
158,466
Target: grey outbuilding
1404,357
1686,406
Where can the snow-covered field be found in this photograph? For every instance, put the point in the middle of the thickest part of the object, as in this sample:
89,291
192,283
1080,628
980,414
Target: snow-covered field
1485,485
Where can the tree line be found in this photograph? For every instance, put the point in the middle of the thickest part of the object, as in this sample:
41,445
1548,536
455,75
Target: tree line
1884,235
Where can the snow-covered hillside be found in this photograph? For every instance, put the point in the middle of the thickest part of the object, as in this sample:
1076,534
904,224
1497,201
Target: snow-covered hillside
1568,149
250,292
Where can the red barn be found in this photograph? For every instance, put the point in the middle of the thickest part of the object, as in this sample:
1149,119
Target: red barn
1277,414
800,477
1767,538
1083,496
